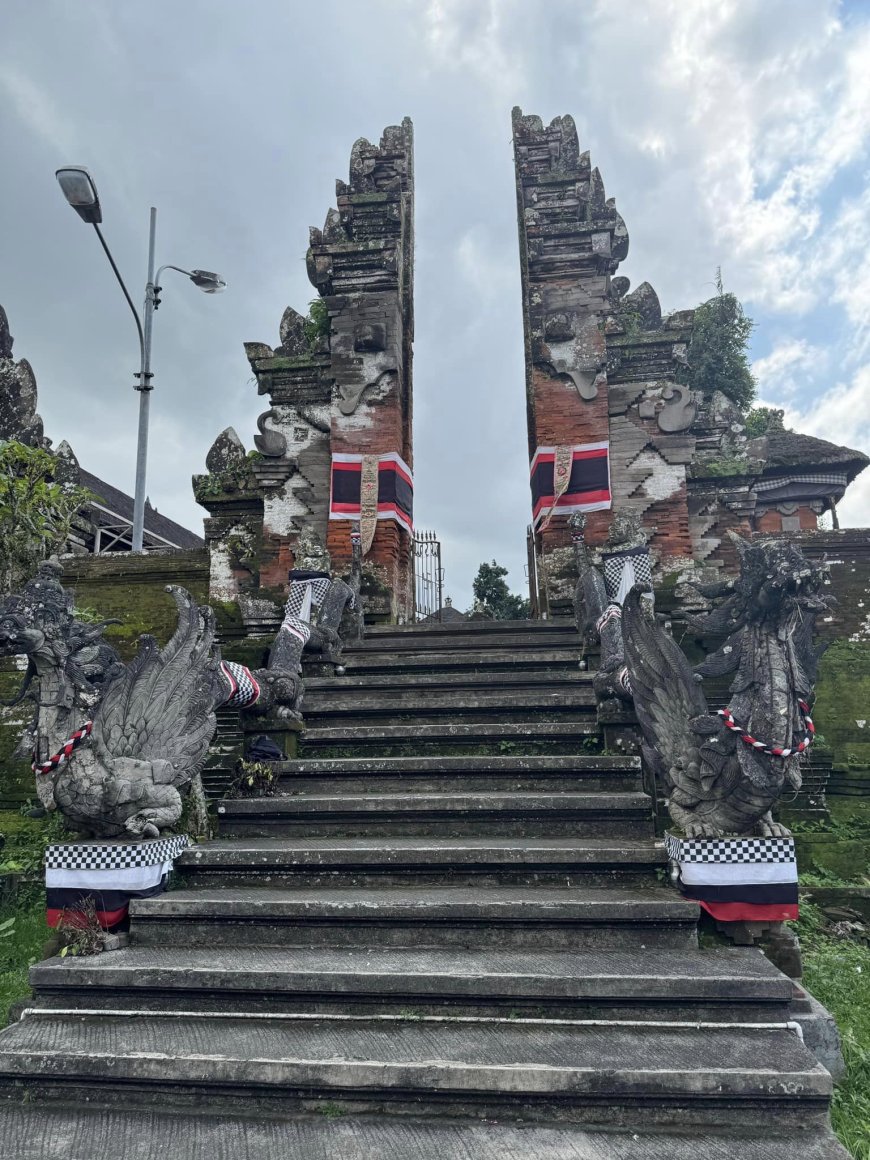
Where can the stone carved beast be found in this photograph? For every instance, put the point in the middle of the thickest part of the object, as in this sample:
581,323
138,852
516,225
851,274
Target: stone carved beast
113,744
718,782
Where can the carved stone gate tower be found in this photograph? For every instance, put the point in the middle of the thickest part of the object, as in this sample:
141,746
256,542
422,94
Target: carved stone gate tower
334,453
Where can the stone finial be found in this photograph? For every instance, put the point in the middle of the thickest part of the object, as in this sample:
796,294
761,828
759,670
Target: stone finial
66,465
226,451
6,339
292,333
18,395
644,302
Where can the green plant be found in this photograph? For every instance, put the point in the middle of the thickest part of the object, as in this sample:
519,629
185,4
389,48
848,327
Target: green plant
79,930
760,420
837,973
316,325
718,358
36,511
254,779
493,597
331,1110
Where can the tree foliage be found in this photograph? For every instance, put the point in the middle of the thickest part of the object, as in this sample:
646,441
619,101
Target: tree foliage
36,511
493,597
760,420
718,358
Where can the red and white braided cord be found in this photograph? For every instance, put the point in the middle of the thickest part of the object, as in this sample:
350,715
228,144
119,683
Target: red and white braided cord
72,743
773,750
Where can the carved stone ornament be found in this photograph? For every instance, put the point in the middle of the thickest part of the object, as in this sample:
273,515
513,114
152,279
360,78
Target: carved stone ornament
724,770
113,744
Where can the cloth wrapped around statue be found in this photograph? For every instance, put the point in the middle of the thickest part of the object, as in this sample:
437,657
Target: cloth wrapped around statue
738,879
110,873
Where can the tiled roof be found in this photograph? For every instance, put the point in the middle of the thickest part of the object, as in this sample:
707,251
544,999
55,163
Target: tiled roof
121,505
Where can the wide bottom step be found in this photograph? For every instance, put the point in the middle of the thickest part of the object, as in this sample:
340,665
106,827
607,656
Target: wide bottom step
58,1133
613,1073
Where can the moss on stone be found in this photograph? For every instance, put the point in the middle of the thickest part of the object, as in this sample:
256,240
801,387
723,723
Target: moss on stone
843,699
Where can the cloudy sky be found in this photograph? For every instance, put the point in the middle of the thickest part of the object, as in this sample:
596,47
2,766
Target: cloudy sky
730,132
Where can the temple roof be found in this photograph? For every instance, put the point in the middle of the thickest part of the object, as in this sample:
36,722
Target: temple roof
780,450
118,503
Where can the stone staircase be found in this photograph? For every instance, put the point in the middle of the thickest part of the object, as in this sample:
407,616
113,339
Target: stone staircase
447,937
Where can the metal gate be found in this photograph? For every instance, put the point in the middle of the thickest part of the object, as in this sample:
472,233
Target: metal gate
428,576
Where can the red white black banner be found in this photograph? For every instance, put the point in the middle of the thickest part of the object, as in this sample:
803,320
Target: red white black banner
586,489
738,879
395,498
109,873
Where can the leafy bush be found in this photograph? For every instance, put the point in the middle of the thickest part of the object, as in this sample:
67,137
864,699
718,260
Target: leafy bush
718,358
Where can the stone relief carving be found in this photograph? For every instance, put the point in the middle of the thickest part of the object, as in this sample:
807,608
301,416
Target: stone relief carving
725,770
113,744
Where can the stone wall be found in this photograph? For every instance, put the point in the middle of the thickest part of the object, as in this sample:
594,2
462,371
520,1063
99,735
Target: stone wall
132,588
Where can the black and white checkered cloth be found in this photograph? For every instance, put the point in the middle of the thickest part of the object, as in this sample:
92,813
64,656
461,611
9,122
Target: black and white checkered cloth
729,849
244,690
297,602
622,570
114,856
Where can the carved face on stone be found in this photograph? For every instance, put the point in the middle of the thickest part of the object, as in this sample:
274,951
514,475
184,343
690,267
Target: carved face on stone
311,552
370,336
6,339
625,528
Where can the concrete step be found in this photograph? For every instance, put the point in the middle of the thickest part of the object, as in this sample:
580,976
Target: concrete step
442,814
419,738
386,684
504,917
82,1133
611,1073
418,861
444,774
379,660
716,986
419,706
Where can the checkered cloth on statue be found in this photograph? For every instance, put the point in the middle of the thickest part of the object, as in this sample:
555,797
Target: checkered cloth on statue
308,590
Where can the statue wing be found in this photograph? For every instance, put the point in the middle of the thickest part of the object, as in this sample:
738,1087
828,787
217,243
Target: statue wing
162,705
667,698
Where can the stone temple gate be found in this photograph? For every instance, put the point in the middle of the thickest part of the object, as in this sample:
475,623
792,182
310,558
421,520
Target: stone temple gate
613,425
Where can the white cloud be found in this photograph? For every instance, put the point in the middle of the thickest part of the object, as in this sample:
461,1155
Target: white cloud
789,365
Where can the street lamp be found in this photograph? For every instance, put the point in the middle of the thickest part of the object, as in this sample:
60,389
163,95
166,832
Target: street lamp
81,193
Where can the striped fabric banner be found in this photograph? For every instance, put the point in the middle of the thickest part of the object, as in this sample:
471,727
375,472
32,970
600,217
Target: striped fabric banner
395,499
738,879
587,488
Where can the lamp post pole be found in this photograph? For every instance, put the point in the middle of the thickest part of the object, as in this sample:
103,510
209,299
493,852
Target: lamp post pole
144,389
81,193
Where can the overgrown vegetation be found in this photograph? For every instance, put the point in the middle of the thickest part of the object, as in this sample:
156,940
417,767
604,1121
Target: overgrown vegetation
837,972
254,779
718,354
761,420
36,511
493,597
316,325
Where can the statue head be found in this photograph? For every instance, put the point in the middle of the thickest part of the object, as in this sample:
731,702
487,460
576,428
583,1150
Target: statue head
6,339
625,530
311,552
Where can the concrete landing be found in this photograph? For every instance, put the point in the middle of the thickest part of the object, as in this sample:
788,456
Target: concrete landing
87,1133
614,1073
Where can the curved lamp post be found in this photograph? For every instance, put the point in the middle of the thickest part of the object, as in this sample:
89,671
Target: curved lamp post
81,193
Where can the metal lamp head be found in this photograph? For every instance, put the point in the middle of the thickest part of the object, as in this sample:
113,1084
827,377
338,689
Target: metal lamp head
207,281
81,192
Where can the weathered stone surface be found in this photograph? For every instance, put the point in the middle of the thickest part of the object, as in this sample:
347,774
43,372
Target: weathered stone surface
65,1134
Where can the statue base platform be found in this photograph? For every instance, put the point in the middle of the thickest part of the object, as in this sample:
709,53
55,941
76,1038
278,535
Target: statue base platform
746,880
109,872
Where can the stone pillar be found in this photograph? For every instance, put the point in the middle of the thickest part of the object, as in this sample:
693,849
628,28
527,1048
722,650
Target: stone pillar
339,385
362,263
571,240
